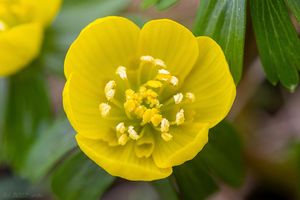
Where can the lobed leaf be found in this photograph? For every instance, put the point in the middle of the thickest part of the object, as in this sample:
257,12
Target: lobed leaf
224,21
277,41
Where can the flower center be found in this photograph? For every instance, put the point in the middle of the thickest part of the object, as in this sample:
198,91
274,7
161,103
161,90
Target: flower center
143,106
12,13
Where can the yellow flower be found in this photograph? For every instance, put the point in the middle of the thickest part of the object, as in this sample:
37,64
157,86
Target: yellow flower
21,31
142,101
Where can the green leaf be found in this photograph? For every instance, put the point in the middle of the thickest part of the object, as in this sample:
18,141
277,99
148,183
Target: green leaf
165,189
224,21
3,103
58,140
164,4
294,5
80,178
27,111
277,41
68,25
194,181
223,155
148,3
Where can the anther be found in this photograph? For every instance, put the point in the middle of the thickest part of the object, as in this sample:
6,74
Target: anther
166,137
163,71
122,140
121,71
147,58
120,128
104,109
164,126
190,96
180,117
174,80
159,62
178,98
132,133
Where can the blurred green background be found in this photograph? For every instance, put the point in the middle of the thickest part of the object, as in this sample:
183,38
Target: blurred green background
254,154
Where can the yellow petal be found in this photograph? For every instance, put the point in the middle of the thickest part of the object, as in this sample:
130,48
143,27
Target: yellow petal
19,46
44,10
211,82
102,47
172,43
81,100
187,141
121,160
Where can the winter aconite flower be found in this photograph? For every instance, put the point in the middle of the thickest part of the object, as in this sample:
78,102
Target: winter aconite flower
142,101
21,31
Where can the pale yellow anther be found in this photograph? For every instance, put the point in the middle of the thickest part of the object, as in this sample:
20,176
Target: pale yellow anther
166,137
163,71
104,109
190,96
180,117
120,128
156,119
147,58
164,126
159,62
130,105
178,98
154,84
121,71
122,140
174,80
132,133
110,90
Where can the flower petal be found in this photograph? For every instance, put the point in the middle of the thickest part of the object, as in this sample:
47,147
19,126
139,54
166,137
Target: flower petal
19,46
121,160
211,82
101,47
171,42
187,141
44,11
81,100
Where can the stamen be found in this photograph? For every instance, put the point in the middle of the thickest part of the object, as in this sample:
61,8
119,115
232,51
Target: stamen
132,133
121,127
121,71
123,139
180,117
110,94
147,58
178,98
163,71
104,109
174,80
159,62
166,137
190,96
164,126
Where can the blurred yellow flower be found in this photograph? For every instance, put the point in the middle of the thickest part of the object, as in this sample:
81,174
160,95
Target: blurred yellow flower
142,101
21,31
